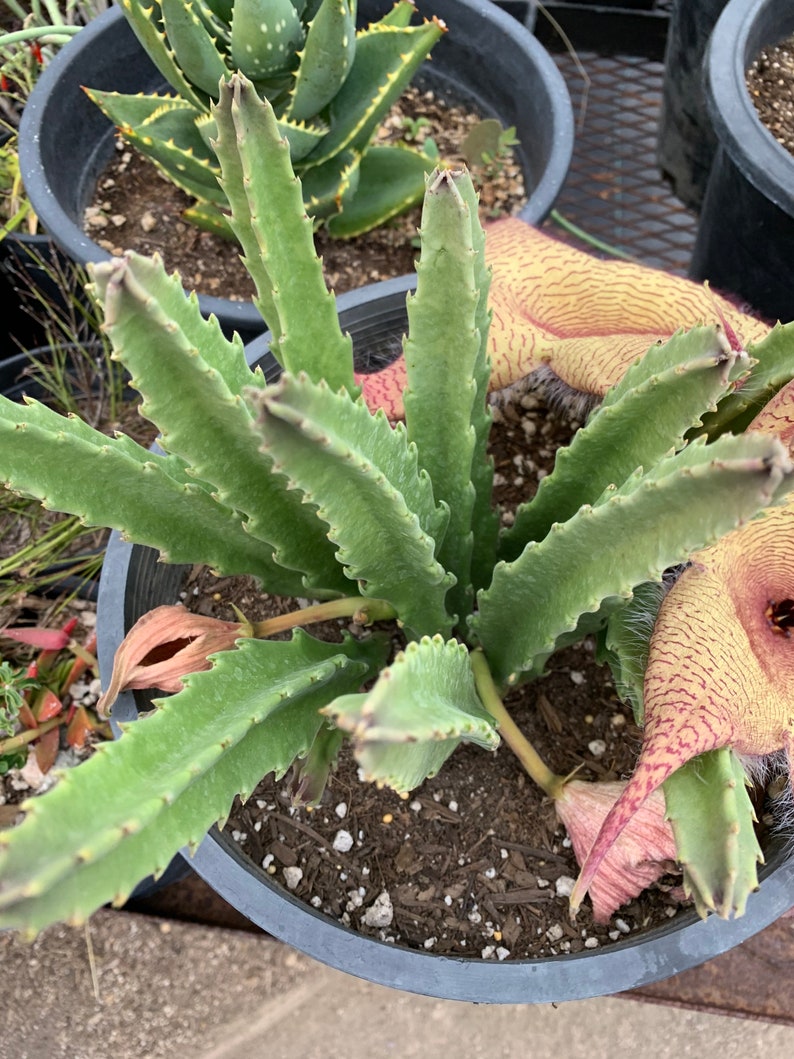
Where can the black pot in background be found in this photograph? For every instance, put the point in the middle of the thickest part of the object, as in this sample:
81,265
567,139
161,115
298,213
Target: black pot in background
133,582
23,266
487,59
744,243
523,10
686,141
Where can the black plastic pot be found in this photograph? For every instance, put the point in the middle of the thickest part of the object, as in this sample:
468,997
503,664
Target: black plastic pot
23,267
488,58
686,141
133,581
744,243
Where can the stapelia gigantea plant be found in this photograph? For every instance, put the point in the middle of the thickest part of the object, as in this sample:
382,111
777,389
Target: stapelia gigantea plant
300,484
330,85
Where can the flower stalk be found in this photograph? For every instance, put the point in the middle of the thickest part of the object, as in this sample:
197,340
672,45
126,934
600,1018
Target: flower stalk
362,611
535,766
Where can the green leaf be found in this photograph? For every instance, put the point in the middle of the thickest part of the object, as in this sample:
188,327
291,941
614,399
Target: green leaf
391,180
440,356
421,708
194,46
137,801
114,483
330,187
362,476
164,130
146,24
645,417
709,808
632,534
269,219
265,37
204,421
485,515
325,59
772,368
387,57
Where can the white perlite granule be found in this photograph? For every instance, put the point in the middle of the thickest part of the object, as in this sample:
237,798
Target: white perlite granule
343,841
564,886
380,913
292,876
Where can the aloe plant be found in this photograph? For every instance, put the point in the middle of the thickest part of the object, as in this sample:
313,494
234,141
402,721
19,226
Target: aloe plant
330,84
300,484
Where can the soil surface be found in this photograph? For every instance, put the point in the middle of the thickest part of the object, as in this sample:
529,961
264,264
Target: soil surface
136,208
770,81
474,861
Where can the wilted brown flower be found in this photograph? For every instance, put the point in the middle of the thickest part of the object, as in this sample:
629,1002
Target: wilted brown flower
163,646
644,851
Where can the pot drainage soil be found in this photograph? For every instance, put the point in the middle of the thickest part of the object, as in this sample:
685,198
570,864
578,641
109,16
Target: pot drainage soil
473,862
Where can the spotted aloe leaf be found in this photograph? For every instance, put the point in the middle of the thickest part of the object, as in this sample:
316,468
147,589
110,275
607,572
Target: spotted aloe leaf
387,57
579,320
149,32
390,181
255,711
421,708
327,55
330,83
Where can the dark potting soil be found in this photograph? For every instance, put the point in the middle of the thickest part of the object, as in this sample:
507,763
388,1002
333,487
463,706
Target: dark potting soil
770,82
474,861
136,208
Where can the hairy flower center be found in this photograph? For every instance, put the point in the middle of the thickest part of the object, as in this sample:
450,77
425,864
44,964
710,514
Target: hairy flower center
780,615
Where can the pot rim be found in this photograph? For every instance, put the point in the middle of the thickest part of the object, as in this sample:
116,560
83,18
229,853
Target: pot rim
243,314
665,951
739,33
639,960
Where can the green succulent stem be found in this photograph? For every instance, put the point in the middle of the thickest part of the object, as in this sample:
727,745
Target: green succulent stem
46,34
362,611
549,782
16,742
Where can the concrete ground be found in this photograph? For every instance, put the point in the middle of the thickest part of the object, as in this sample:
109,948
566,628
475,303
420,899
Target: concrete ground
133,986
